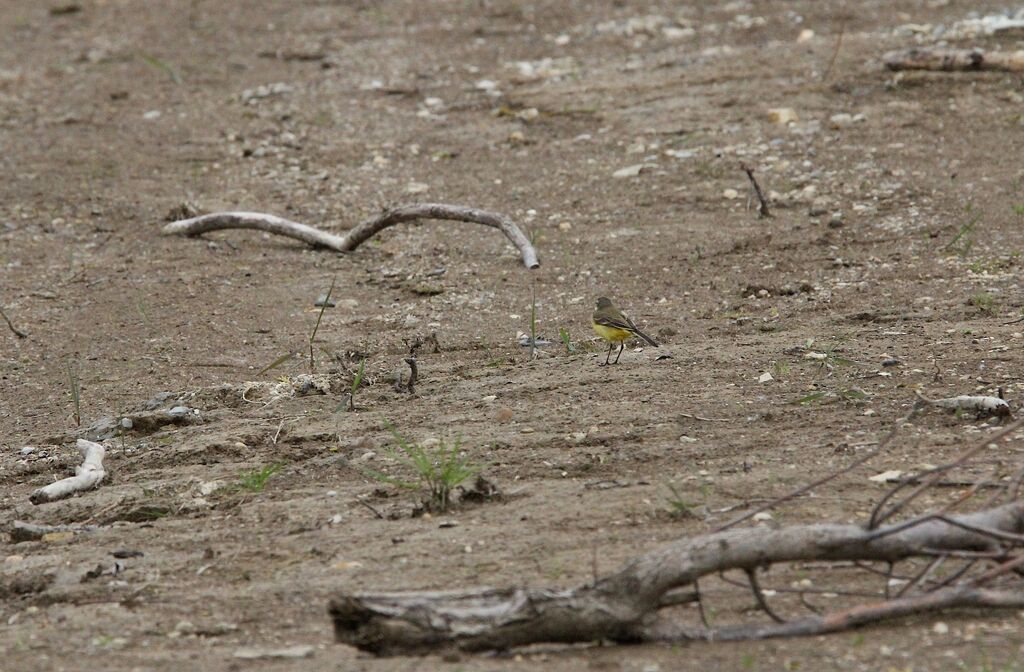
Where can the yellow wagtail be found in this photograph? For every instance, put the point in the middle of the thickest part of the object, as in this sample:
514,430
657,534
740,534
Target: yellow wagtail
614,327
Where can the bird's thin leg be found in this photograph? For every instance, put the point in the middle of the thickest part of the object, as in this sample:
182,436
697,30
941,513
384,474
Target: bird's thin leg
622,344
610,346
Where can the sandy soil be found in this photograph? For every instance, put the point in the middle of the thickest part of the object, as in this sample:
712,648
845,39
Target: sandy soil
114,115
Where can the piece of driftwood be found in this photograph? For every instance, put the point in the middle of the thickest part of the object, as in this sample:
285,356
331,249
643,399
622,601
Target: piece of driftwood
362,232
947,59
624,606
87,475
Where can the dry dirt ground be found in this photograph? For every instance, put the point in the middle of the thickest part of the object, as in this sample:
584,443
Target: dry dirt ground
115,112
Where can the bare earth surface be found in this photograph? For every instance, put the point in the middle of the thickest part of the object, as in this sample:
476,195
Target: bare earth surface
115,114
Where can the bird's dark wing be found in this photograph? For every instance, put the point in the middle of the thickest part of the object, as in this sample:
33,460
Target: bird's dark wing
619,322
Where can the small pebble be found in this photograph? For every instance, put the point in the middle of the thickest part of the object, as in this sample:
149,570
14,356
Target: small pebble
28,450
322,301
730,194
891,362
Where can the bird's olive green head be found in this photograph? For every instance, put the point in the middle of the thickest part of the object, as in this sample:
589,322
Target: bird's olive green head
604,302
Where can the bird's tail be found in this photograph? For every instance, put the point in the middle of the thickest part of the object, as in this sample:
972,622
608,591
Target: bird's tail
641,335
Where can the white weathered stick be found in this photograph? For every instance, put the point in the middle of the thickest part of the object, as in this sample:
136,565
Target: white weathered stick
944,59
361,233
87,475
982,405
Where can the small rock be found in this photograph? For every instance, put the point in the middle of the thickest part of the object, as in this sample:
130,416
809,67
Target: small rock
629,171
891,362
844,119
182,629
730,194
151,115
836,220
687,439
820,206
126,423
322,301
486,85
411,321
416,188
27,450
886,476
782,115
762,516
179,411
806,35
766,378
336,519
940,628
255,652
565,226
528,114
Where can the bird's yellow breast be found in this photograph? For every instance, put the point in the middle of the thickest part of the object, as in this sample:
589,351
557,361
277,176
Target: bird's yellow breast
611,334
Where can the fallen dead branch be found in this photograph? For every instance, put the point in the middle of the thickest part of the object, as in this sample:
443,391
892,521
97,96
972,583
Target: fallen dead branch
946,59
22,531
361,233
87,475
624,606
983,406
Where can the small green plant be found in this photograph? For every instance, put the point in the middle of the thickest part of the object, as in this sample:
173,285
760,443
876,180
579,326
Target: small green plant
256,480
566,341
1018,208
984,302
357,380
439,470
276,363
157,63
962,243
677,506
319,317
76,391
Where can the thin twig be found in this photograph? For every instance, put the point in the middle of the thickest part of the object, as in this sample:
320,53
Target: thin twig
835,53
367,505
17,332
825,479
878,517
952,578
921,575
700,604
763,209
759,596
413,372
702,418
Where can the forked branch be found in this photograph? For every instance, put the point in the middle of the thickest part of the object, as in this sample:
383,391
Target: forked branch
624,606
362,232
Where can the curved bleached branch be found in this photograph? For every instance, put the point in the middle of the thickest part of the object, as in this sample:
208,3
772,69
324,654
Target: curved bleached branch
361,233
87,475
